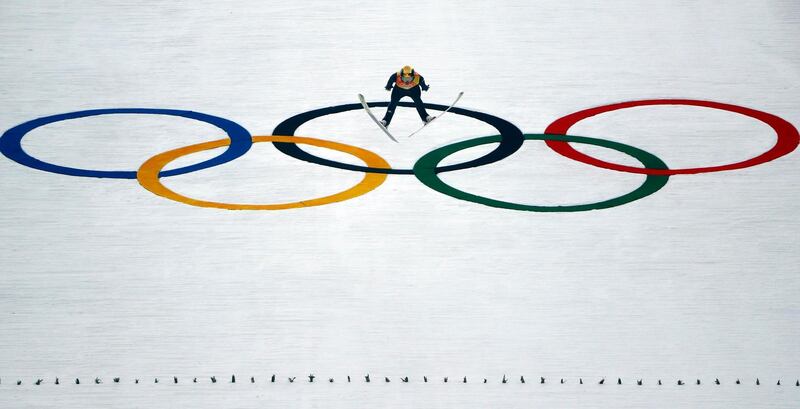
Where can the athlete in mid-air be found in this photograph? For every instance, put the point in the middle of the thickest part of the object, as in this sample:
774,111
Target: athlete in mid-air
406,83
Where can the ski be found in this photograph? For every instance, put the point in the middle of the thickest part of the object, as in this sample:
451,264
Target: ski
440,115
369,112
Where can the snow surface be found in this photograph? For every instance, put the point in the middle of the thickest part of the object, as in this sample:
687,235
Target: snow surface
100,278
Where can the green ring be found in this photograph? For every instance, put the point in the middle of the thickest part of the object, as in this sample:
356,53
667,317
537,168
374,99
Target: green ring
425,167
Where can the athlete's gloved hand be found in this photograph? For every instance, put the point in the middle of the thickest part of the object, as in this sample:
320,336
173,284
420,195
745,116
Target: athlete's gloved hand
426,88
388,88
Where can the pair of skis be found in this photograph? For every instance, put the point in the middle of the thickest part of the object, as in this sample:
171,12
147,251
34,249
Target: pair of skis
389,134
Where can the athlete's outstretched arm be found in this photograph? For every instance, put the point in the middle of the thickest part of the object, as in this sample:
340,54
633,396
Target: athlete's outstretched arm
422,83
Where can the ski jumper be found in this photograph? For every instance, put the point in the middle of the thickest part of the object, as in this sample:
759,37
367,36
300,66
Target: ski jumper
401,89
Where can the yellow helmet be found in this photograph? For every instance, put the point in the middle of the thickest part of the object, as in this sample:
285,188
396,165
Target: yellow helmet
407,71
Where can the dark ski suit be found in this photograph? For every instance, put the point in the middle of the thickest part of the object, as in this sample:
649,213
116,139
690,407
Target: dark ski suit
399,93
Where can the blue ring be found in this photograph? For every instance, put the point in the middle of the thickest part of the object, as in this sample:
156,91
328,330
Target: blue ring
11,142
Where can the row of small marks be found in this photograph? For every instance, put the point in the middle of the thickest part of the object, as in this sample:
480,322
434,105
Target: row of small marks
367,378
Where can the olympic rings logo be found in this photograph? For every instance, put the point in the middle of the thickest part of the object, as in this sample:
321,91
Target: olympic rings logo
376,169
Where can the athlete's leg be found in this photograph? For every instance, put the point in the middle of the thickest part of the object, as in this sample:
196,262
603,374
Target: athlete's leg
392,106
417,97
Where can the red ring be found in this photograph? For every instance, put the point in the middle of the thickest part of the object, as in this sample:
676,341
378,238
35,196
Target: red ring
788,137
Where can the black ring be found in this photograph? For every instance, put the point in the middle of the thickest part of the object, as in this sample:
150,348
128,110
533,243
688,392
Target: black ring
511,138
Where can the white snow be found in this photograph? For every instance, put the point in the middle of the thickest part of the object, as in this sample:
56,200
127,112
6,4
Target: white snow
102,278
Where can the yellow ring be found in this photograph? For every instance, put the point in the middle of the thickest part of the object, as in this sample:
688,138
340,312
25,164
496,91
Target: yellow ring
147,175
